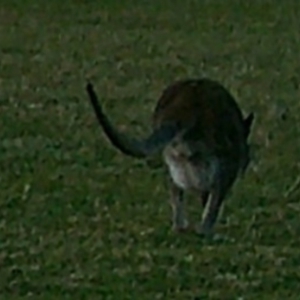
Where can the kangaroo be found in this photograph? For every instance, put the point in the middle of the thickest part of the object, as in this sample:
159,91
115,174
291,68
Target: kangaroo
202,135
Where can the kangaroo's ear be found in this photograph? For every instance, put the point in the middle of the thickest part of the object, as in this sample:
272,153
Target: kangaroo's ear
248,123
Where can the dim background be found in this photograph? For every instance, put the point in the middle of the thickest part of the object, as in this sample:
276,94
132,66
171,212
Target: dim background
78,220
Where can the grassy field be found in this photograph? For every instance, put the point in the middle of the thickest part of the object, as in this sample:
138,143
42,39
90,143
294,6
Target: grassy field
80,221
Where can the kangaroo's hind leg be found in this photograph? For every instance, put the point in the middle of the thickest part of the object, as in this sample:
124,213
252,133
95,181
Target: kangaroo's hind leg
204,198
180,222
210,213
213,202
222,184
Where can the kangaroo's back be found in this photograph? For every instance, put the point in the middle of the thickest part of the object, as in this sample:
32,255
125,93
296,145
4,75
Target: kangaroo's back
204,111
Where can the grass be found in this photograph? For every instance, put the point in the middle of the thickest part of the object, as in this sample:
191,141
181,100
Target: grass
80,221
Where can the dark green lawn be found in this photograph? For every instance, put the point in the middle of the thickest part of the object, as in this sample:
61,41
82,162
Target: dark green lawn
80,221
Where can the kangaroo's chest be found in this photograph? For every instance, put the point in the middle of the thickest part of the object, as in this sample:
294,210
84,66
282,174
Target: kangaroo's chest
187,172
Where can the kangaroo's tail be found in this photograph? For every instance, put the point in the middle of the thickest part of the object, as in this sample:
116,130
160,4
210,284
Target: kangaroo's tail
131,146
